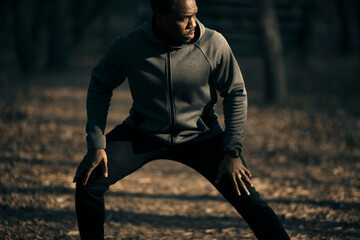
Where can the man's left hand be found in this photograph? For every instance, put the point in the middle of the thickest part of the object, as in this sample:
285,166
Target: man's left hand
236,171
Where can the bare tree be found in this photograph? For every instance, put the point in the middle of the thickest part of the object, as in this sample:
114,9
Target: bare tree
275,79
83,14
57,43
349,31
28,19
23,43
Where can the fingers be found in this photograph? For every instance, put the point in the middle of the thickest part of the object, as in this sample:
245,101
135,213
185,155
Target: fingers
247,171
236,186
91,160
238,174
106,173
91,168
237,182
242,185
218,177
76,177
246,178
234,181
88,175
79,171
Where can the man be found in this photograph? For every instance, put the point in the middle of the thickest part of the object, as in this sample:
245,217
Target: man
174,66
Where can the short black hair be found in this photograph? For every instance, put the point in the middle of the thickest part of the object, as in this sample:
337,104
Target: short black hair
161,6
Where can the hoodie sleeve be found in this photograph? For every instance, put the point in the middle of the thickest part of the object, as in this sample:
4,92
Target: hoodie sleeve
229,82
107,75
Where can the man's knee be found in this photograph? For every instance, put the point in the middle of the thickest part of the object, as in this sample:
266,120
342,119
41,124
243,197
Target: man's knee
96,183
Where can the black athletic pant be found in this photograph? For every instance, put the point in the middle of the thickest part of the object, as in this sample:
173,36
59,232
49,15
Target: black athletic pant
128,150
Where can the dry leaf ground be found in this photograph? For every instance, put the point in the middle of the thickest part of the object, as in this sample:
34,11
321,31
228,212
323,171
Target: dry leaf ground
304,162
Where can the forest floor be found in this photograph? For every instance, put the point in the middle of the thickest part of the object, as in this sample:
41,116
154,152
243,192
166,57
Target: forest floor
305,163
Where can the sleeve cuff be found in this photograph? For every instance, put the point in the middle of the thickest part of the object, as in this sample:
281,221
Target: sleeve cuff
95,142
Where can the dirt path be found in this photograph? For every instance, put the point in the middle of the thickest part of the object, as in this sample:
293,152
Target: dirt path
305,164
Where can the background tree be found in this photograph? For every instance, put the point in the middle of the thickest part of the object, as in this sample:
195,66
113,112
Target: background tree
83,13
349,26
57,30
30,17
275,79
23,40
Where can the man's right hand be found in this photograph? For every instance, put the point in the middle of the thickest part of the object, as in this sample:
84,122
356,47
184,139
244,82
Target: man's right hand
91,160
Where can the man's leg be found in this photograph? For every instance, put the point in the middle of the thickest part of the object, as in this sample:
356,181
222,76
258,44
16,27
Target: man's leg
205,157
127,151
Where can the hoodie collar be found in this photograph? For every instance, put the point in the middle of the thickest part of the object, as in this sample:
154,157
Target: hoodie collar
147,28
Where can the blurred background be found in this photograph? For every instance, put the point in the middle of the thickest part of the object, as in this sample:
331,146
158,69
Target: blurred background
301,64
318,41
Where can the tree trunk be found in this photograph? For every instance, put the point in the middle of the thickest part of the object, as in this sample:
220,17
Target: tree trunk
2,15
83,14
38,19
105,28
307,35
58,47
349,31
28,21
23,44
275,79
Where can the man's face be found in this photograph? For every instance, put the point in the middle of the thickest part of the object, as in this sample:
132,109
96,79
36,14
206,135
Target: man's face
178,25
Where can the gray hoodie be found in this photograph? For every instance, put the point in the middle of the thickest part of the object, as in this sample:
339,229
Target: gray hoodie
174,88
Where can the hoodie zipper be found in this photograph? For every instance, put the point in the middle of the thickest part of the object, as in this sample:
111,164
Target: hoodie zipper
171,99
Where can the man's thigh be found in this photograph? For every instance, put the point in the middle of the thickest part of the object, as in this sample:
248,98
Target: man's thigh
204,156
127,150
